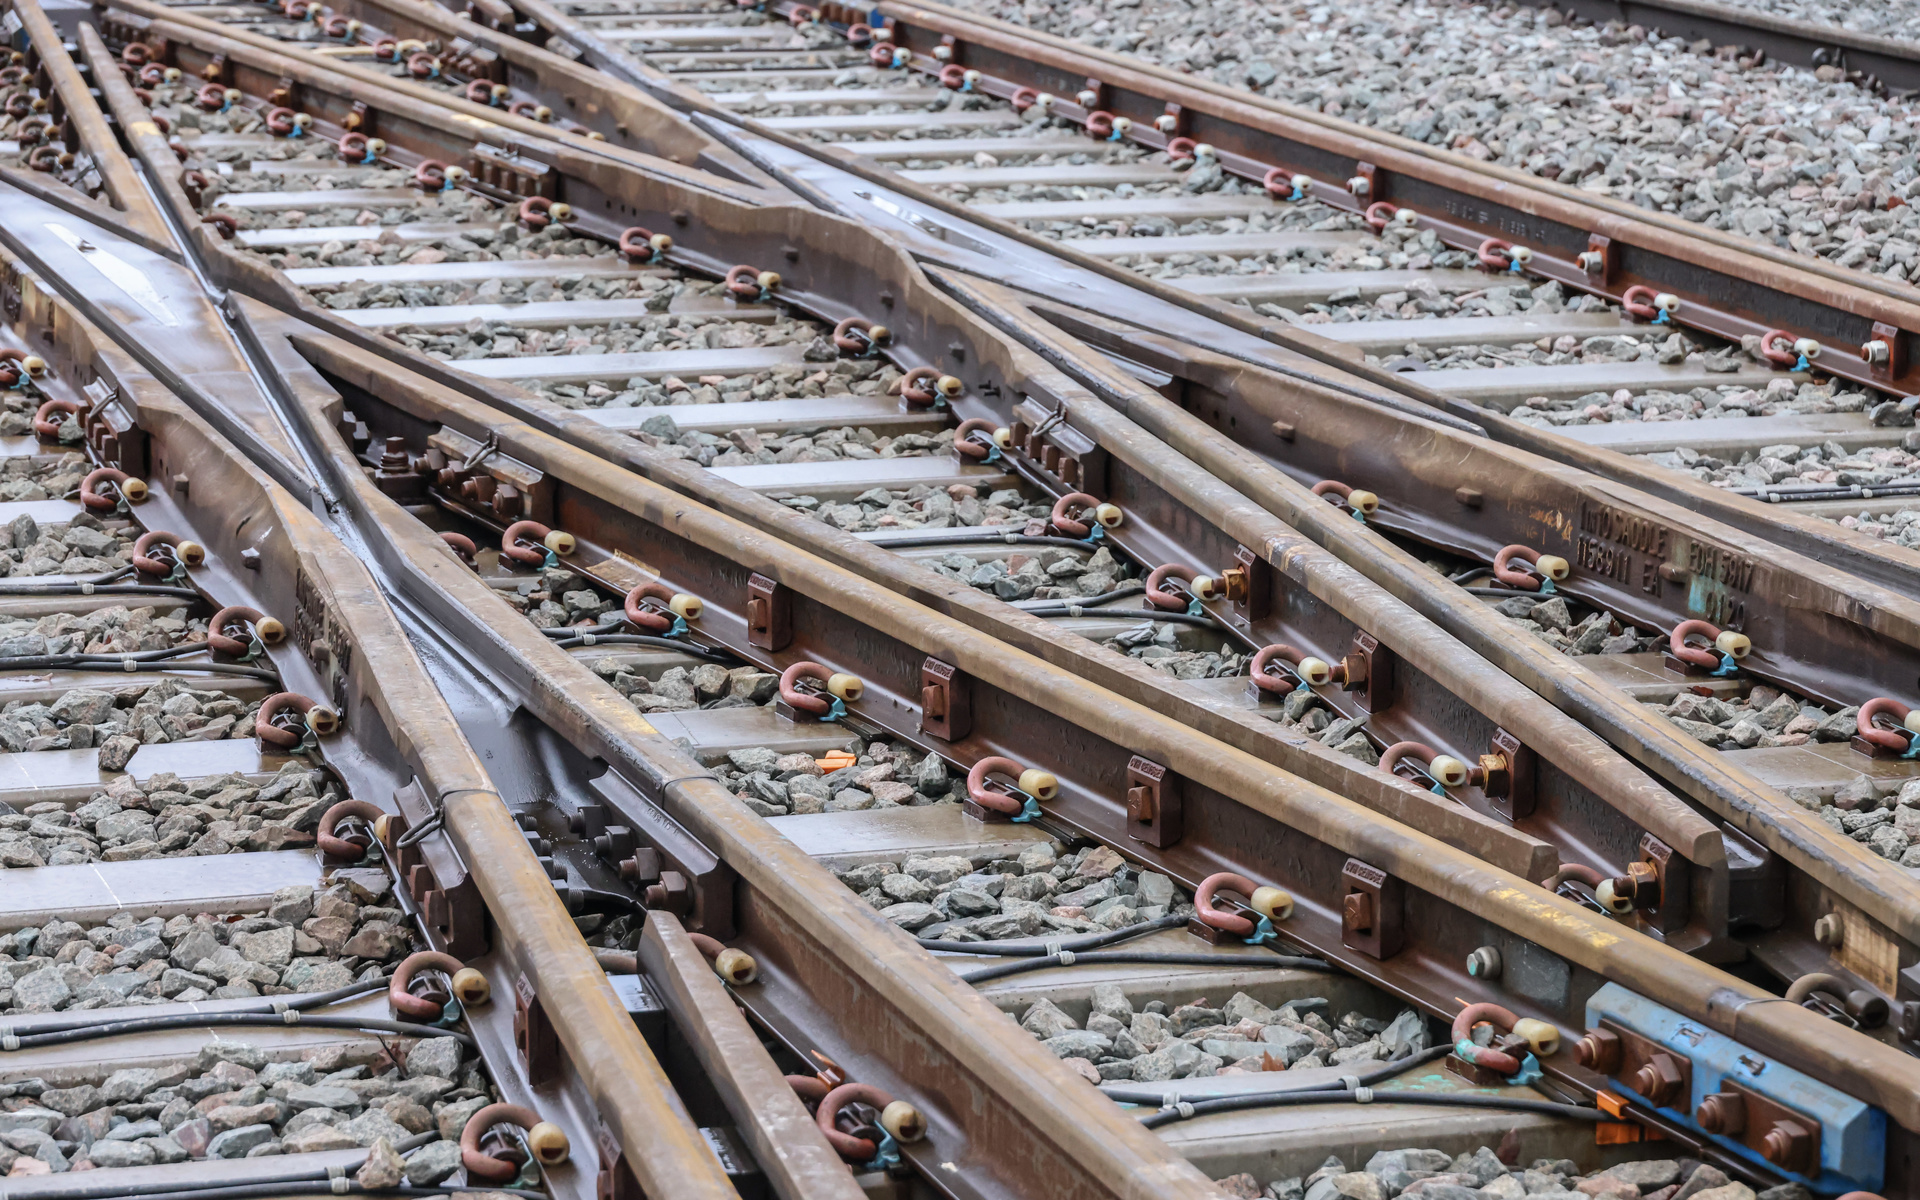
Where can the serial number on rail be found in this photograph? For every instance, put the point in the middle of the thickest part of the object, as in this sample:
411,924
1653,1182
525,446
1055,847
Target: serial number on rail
1631,549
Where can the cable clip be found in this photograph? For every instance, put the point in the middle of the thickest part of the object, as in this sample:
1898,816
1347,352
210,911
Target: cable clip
678,628
835,711
1546,587
290,1016
86,589
589,639
1184,1109
1529,1071
129,663
1052,947
8,1039
1350,1082
1666,318
337,1181
1728,665
1263,932
1194,608
1066,958
1028,811
1097,532
886,1156
1363,1095
1801,365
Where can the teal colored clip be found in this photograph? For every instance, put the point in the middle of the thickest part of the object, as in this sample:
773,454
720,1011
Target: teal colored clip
1438,788
1298,194
1546,586
886,1157
1802,365
550,562
1727,665
1097,532
1029,811
1194,608
835,711
1358,515
993,454
1529,1071
678,628
1913,747
1263,932
450,1014
1665,319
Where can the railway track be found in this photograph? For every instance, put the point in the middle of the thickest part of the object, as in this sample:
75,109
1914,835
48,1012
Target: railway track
796,570
1770,825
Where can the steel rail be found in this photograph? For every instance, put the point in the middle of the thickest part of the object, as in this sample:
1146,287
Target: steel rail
1610,835
1539,504
343,629
1727,286
1889,63
70,107
1022,702
994,1097
1873,559
624,119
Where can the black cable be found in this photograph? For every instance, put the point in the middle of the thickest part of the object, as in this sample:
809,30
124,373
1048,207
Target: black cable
265,1005
1469,573
1146,957
982,539
569,641
1378,1074
201,1020
1201,1108
94,589
318,1185
1175,618
1077,943
280,1185
1089,602
132,666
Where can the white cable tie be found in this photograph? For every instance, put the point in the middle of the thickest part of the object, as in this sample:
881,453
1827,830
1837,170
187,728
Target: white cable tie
86,589
1074,610
8,1041
1363,1095
1053,946
589,639
1172,1100
1185,1110
340,1185
1066,958
128,663
336,1171
1350,1082
279,1006
291,1016
1013,539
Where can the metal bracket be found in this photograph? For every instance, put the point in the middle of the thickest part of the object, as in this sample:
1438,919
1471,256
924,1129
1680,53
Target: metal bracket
515,174
616,1180
1156,812
282,93
691,880
445,892
769,614
1369,673
1652,1070
1789,1140
1249,584
533,1035
946,701
1509,768
1371,914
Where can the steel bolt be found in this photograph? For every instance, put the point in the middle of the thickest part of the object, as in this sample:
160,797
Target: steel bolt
1723,1113
1599,1051
1484,963
1830,931
1659,1080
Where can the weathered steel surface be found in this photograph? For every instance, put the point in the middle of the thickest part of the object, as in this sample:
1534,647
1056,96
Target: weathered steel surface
1821,630
353,652
1728,285
1241,813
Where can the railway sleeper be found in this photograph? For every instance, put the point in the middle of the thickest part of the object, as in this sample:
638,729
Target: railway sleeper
837,625
1335,644
170,1024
